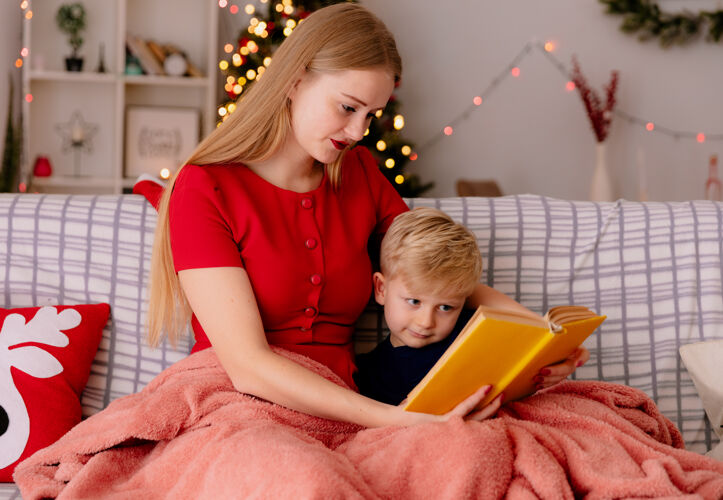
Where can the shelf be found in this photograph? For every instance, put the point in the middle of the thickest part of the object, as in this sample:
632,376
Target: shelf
172,81
72,76
99,102
73,181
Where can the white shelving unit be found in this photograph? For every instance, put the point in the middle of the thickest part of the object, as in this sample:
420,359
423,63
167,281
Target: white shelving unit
103,98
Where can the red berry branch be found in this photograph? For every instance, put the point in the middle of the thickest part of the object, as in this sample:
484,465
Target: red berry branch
600,115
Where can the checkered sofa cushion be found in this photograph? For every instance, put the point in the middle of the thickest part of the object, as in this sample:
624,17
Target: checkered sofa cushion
58,249
654,269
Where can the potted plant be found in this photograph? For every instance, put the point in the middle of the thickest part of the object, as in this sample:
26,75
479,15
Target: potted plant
71,21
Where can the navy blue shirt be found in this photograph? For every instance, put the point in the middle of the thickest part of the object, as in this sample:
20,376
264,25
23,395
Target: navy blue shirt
389,373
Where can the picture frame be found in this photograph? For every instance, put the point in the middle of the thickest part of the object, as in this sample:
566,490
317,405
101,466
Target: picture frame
158,138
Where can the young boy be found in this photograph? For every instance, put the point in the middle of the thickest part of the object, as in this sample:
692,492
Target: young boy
429,266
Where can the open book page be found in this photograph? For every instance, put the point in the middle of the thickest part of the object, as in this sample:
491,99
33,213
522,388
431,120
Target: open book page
561,315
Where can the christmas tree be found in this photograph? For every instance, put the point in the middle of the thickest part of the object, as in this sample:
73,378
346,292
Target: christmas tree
247,60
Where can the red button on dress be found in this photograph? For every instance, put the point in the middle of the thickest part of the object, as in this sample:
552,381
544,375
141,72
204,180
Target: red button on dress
307,203
309,312
310,243
315,279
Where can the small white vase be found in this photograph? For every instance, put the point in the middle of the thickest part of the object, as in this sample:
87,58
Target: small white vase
601,187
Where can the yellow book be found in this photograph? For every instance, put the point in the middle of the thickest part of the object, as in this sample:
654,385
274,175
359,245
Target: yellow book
504,349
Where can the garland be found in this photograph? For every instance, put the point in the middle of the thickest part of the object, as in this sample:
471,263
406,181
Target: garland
647,18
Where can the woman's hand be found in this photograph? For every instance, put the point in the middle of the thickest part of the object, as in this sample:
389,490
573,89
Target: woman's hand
465,409
552,374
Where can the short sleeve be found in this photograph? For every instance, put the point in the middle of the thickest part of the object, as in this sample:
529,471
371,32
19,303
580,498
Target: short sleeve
200,232
387,201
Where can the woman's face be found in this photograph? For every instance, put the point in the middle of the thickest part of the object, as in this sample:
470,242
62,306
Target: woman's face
330,110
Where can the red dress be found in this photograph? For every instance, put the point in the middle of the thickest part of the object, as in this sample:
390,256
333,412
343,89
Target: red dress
305,253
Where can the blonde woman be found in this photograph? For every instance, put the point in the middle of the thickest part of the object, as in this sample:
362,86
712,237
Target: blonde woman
262,236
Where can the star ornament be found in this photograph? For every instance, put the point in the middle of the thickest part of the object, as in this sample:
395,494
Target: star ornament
77,133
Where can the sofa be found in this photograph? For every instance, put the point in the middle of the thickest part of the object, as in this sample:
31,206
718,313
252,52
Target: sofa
655,269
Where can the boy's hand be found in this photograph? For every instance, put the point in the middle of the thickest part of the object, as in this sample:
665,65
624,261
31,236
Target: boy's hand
552,374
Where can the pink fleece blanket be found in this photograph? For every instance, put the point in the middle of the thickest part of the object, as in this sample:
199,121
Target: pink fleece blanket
189,434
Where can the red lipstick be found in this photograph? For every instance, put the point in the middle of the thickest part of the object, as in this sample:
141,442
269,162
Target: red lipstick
339,145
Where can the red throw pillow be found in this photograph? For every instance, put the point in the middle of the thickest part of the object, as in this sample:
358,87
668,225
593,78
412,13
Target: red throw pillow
45,358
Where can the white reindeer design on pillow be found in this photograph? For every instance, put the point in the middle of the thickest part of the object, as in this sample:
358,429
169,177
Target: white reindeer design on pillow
46,327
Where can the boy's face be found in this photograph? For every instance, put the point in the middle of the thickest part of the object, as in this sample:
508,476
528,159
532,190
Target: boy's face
416,319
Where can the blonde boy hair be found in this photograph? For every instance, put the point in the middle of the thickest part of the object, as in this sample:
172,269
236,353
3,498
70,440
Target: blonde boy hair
430,251
335,38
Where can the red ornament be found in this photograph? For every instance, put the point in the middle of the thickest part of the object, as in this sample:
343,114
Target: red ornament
42,167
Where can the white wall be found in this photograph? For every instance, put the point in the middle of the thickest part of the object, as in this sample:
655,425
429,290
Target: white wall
10,40
531,135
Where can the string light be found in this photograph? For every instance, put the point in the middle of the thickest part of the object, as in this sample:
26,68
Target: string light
29,15
399,179
24,4
279,7
389,163
515,71
237,89
222,111
228,48
378,114
18,63
249,9
399,122
223,65
366,132
29,97
381,145
24,52
267,61
549,46
165,173
237,60
406,150
233,9
222,3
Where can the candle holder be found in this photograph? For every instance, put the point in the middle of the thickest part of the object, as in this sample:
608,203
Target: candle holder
77,135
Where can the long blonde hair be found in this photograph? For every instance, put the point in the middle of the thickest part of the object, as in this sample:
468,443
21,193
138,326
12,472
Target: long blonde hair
338,37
